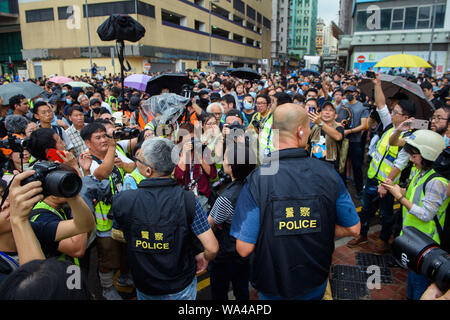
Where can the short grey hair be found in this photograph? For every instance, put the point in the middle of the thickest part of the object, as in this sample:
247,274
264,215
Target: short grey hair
214,104
157,154
81,97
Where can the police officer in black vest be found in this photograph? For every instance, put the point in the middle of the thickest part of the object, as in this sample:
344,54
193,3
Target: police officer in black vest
160,222
289,213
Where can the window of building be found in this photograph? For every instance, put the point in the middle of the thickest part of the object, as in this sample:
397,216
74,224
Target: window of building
250,41
250,25
239,6
65,13
251,13
173,18
266,22
146,9
220,11
237,37
39,15
200,26
238,20
398,16
200,3
109,8
423,20
219,32
410,18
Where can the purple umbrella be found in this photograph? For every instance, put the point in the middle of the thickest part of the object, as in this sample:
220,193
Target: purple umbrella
137,81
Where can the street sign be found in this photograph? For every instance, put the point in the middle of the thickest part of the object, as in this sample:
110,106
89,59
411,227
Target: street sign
361,59
147,66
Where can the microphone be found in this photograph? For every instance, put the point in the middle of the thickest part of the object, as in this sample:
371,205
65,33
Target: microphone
15,123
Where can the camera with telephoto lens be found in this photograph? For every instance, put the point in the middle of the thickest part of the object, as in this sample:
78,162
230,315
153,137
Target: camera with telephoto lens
13,143
55,182
126,133
256,124
418,252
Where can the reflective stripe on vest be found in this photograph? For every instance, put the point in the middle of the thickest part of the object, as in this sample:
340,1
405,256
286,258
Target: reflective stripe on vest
102,209
62,216
415,194
137,176
383,159
266,134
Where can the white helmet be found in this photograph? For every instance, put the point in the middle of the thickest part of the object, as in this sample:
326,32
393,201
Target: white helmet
429,143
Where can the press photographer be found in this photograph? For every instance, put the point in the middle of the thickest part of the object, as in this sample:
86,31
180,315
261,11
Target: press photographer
425,201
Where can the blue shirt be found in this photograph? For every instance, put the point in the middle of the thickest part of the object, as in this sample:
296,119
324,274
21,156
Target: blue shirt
246,219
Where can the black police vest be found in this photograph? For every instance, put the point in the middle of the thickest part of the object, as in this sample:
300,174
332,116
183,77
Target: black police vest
297,219
158,235
227,243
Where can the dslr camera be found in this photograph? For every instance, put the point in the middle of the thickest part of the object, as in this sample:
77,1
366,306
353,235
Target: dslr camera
55,182
126,133
14,143
418,252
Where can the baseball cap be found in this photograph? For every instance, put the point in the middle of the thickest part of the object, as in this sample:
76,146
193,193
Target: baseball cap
94,101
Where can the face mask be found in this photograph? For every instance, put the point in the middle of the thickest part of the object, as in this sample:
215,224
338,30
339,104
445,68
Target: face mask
64,91
344,101
253,94
248,105
447,140
195,81
259,88
68,101
435,89
350,97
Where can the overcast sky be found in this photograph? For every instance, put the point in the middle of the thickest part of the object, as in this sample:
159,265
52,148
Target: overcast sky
328,10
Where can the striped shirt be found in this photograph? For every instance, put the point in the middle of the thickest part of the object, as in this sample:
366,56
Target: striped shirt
435,196
222,211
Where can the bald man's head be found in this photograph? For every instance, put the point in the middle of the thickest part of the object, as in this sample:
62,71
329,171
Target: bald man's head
288,117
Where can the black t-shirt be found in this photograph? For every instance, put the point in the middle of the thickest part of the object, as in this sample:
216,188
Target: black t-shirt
45,227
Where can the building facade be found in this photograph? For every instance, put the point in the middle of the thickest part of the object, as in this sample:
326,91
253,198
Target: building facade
280,34
384,28
320,29
303,27
10,38
179,33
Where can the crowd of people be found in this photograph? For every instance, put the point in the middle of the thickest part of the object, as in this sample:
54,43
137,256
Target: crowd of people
160,221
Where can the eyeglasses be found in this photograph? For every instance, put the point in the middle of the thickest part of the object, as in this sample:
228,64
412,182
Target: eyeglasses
217,114
393,112
261,103
437,119
141,162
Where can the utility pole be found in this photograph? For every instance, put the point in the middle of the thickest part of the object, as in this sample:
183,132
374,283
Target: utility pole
89,35
433,17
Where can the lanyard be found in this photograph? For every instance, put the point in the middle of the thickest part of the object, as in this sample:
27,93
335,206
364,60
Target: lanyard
9,258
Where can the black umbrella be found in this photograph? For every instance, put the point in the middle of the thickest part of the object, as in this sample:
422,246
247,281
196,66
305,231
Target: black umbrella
309,72
245,73
393,85
29,89
172,81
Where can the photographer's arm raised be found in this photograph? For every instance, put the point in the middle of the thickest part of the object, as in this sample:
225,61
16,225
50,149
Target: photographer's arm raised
105,168
21,201
83,220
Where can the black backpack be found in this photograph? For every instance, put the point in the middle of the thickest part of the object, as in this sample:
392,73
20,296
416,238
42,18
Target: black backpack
121,27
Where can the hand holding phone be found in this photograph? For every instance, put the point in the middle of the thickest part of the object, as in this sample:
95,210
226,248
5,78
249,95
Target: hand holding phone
419,124
53,155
